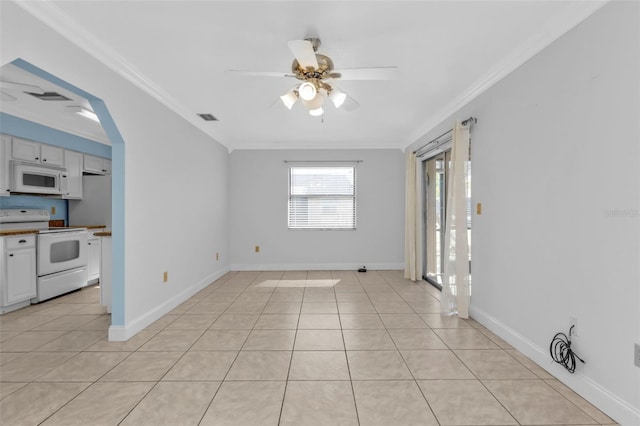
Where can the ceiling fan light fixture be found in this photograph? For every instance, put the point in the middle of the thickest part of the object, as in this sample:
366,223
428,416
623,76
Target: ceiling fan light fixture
307,91
316,112
337,97
289,99
314,103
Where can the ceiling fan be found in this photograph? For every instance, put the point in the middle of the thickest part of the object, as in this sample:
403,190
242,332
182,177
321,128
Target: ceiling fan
317,75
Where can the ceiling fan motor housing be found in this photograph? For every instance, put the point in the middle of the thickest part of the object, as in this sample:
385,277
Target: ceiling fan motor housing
325,66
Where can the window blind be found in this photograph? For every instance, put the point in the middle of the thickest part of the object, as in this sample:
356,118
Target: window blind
322,197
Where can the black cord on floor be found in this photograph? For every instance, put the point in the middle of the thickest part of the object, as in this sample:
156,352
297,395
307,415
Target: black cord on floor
561,352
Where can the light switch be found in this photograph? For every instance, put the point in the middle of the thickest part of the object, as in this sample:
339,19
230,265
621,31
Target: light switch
479,208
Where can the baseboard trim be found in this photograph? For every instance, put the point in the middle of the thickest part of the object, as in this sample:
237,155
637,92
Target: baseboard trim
119,333
615,407
316,266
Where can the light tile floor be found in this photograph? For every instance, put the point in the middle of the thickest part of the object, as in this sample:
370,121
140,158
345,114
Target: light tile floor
269,348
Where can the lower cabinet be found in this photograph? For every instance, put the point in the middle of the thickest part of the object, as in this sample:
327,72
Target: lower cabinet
17,272
93,263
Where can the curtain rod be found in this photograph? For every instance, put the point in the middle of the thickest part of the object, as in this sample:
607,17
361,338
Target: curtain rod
323,161
470,120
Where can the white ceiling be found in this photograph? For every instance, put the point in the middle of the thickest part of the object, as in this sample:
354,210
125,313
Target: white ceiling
179,51
56,114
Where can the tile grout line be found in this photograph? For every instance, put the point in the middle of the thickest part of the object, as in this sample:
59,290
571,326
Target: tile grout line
231,364
293,348
353,392
485,386
415,381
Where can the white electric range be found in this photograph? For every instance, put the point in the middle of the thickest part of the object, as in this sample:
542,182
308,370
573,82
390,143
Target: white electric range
61,253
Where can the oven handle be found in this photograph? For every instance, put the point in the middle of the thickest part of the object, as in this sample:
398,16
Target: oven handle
62,235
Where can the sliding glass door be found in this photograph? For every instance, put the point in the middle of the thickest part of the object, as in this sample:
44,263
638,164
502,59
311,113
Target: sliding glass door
436,174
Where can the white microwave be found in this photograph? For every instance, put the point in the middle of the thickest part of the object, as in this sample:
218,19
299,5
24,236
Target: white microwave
37,179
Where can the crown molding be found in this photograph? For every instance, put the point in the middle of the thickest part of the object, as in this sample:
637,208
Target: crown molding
556,27
53,17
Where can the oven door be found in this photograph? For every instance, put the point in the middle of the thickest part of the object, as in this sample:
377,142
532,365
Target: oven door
61,251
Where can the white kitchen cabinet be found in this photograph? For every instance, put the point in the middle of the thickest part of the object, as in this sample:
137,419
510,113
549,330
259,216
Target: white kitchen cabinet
93,261
52,155
96,165
5,155
18,271
24,150
34,152
73,162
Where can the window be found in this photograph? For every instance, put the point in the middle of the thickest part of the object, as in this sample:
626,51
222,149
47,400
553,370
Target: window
436,175
322,197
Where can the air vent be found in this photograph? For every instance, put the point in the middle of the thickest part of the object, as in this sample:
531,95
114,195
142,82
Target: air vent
208,117
49,96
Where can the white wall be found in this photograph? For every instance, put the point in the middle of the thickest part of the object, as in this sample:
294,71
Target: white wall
176,184
258,205
556,147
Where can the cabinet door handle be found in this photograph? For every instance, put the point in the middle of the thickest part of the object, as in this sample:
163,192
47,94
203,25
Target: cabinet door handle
44,159
22,241
37,158
11,255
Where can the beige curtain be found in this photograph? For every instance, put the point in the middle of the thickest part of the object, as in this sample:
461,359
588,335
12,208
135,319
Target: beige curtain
412,236
455,281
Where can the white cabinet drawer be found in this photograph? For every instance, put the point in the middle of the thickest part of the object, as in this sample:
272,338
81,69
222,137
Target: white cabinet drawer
20,242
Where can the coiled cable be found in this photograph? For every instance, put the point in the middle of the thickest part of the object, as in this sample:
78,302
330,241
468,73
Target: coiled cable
561,352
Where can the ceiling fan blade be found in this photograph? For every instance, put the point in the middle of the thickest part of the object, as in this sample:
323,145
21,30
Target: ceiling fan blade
261,73
350,104
304,53
376,73
22,87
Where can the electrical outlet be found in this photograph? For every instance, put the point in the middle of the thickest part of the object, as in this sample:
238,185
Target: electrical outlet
257,249
636,355
573,322
53,209
165,276
479,208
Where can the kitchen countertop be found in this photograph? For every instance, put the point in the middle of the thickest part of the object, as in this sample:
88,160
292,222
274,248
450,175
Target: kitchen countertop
9,232
88,226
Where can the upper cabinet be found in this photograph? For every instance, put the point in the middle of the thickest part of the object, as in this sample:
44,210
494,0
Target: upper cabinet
5,153
73,164
52,155
97,165
34,152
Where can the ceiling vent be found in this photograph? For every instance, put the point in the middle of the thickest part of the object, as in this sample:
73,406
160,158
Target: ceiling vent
49,96
208,117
